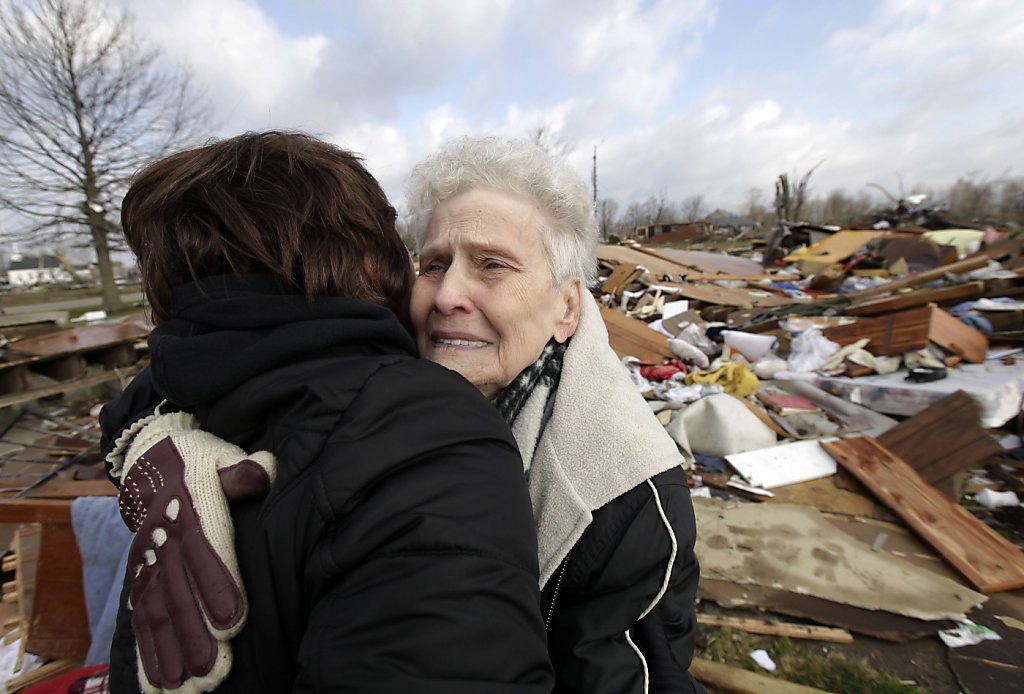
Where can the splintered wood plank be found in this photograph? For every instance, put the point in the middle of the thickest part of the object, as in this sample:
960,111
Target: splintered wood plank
943,439
988,560
630,337
727,678
787,629
621,276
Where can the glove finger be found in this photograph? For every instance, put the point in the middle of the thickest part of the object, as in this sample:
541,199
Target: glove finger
151,622
246,480
215,587
191,636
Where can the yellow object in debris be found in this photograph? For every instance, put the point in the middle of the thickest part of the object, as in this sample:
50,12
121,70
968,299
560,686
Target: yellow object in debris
736,379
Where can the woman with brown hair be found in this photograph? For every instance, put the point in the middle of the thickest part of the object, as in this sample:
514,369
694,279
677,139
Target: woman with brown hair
382,534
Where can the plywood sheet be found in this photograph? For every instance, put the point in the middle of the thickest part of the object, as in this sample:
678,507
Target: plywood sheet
657,265
876,623
796,549
988,560
80,339
835,248
712,263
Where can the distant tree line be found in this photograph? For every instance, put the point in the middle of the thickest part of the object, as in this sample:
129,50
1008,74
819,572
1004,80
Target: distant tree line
972,200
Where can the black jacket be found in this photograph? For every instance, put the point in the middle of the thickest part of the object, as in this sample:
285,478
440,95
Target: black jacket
396,550
610,576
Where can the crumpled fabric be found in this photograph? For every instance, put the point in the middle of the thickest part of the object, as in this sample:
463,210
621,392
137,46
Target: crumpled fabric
696,336
661,372
688,353
735,379
810,351
922,358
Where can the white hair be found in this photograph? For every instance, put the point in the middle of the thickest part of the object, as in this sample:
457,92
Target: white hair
521,168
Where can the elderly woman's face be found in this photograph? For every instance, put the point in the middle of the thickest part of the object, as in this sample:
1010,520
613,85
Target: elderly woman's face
484,304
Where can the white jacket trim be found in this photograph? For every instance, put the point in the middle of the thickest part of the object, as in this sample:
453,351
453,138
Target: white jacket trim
643,660
672,557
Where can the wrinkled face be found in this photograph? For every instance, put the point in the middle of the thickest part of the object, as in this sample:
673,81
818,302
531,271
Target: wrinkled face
484,304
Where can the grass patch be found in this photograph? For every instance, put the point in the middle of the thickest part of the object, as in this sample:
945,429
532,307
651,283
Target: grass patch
799,664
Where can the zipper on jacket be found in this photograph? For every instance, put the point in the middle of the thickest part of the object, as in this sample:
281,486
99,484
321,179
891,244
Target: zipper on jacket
554,593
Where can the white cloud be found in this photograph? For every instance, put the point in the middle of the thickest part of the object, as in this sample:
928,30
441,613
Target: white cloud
639,50
921,87
931,48
249,67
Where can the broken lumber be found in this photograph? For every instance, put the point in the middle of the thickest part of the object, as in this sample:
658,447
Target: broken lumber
919,278
912,330
787,629
942,440
988,560
733,680
920,297
630,337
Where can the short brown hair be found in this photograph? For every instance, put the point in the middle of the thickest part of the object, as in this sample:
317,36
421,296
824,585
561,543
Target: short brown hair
285,204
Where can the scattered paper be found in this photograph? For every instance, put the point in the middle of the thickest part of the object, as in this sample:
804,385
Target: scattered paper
967,633
762,658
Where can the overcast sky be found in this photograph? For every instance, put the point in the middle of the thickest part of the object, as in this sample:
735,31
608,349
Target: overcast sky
682,97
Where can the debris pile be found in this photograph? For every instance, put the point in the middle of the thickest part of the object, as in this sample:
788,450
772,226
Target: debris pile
61,565
853,416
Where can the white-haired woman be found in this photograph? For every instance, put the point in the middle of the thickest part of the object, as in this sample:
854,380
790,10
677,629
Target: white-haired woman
507,242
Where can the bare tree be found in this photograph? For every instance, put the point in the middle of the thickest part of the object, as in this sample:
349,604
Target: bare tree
83,105
789,200
607,208
753,208
692,208
972,198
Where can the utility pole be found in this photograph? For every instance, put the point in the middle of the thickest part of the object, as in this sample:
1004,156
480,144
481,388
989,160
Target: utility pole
593,179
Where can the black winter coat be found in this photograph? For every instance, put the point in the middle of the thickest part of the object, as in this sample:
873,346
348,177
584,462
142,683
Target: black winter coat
396,550
610,576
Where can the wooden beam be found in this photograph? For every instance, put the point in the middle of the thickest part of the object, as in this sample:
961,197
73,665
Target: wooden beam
987,559
35,511
732,680
787,629
920,297
919,278
68,386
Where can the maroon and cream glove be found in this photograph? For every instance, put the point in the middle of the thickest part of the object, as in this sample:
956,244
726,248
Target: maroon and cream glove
186,595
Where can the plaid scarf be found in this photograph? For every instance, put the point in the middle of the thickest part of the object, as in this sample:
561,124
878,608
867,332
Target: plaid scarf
527,402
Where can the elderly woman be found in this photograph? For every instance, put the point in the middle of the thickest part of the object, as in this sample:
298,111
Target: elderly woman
507,243
382,532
